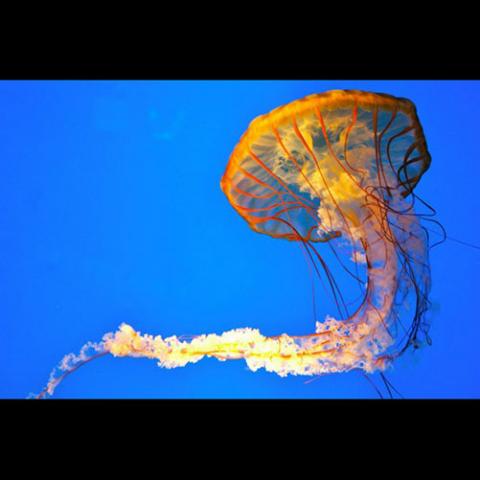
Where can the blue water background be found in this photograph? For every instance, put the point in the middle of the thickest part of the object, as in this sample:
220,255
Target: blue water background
111,212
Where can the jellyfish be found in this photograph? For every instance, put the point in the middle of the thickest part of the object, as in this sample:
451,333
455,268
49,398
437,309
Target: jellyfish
336,169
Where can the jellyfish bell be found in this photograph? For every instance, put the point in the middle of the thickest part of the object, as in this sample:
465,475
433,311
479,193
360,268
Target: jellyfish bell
338,165
296,165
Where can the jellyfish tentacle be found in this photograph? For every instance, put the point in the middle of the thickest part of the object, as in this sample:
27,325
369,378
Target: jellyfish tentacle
67,366
358,342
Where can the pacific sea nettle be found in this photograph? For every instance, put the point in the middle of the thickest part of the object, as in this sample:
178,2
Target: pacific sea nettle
336,166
